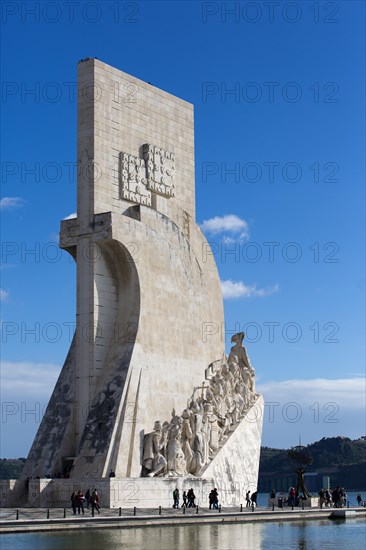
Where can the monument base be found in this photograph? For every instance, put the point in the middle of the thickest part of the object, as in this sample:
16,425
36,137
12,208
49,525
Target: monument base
13,492
142,492
233,470
311,502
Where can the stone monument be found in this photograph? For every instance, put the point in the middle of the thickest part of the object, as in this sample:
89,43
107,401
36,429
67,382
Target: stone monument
146,390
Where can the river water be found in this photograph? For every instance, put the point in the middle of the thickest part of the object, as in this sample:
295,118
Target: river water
282,535
294,535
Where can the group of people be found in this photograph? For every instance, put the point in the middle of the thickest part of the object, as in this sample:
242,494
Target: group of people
336,498
90,499
251,500
332,498
188,498
292,499
189,441
213,499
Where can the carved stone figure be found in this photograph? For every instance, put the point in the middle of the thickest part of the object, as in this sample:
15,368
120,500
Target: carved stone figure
245,393
239,404
176,464
211,431
192,457
188,442
239,353
228,392
152,460
198,439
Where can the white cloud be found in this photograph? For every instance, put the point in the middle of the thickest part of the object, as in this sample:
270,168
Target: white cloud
71,216
237,228
238,289
11,202
27,379
345,393
4,295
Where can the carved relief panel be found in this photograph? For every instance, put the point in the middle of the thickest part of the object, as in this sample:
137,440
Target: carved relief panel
133,180
160,168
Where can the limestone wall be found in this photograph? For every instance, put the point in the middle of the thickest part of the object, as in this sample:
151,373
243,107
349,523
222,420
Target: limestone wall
12,492
235,467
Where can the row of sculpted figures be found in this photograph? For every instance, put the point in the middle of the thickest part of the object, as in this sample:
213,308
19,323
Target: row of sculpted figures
186,444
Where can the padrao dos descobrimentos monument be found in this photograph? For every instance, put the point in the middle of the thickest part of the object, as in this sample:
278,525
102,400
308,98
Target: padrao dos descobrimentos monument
146,390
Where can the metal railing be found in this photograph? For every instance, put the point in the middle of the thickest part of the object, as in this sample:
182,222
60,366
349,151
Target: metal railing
29,514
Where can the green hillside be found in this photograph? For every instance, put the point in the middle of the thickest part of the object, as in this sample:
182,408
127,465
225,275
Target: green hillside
10,468
340,458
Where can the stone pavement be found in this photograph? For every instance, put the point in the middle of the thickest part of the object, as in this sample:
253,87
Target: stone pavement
42,519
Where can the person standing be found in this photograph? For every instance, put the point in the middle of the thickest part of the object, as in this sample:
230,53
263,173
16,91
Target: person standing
184,505
292,497
80,501
336,498
87,498
359,499
247,497
73,501
176,498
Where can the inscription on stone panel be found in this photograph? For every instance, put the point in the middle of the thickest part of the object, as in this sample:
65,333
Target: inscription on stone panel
160,168
133,180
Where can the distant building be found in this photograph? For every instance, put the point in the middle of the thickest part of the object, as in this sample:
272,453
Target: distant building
313,482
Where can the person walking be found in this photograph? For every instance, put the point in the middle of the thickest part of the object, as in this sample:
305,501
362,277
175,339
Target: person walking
94,500
215,499
247,498
254,499
191,498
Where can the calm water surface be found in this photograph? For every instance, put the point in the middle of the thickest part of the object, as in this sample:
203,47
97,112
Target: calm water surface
311,535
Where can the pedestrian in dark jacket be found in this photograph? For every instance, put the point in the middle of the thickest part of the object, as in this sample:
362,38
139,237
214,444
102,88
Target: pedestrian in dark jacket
73,499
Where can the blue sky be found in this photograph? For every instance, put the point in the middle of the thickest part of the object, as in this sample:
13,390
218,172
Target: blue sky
278,92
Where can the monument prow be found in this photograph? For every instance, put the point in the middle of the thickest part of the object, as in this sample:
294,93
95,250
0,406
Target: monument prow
149,304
